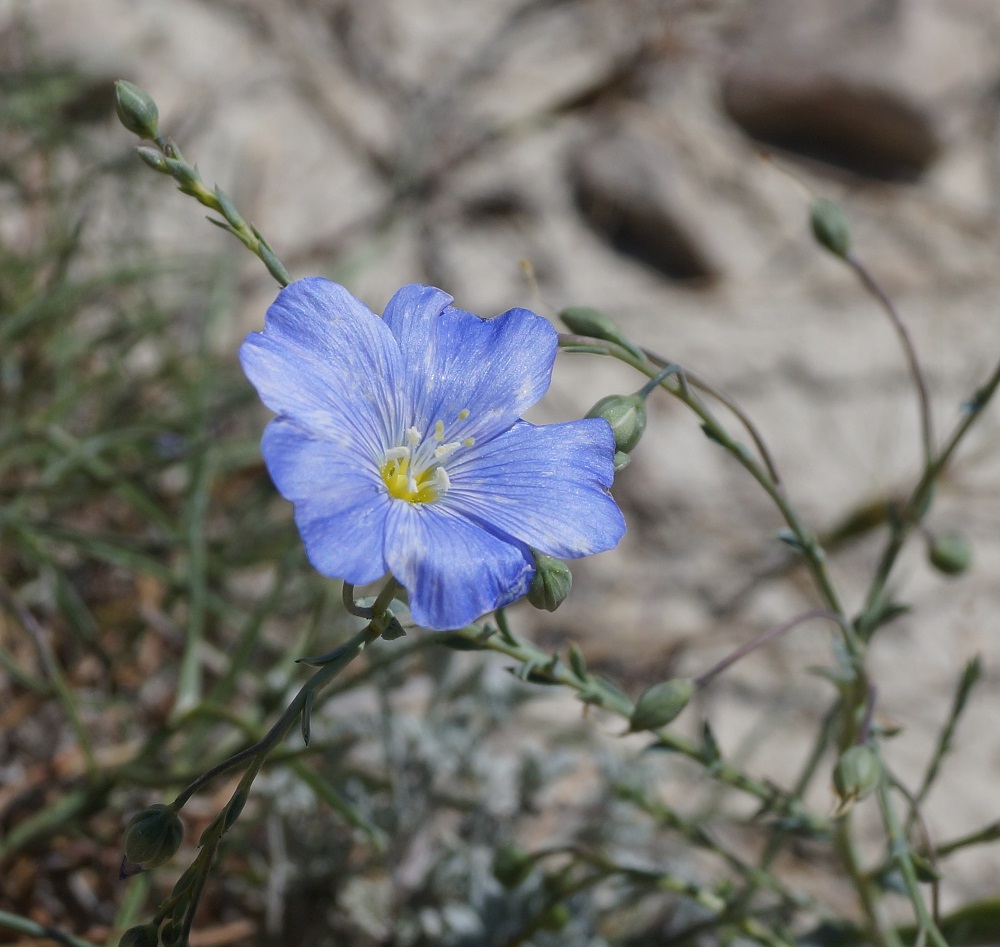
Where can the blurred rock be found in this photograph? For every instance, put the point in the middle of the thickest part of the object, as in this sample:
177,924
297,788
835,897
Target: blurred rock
861,85
870,131
629,191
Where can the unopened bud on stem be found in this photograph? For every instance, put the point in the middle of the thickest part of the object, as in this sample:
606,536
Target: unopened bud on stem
627,416
153,836
830,226
950,554
551,584
659,705
136,110
857,773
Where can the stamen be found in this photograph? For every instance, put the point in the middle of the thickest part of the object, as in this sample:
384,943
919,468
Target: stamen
446,450
440,481
414,471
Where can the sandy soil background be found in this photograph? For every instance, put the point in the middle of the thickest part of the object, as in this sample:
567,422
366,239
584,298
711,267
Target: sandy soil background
615,144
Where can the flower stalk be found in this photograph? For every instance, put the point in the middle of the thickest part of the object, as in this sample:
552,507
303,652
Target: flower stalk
137,112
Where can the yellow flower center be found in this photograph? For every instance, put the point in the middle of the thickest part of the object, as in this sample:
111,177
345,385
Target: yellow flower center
415,471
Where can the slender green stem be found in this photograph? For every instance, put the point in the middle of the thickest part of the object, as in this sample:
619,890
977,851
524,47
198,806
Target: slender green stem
761,640
166,158
593,690
880,931
919,499
902,858
260,750
916,372
23,925
811,550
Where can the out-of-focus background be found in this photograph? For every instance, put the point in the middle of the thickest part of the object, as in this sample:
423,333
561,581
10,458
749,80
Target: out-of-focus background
654,158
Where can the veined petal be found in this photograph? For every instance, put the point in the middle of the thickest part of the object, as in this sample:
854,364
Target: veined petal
544,486
340,501
495,368
327,361
452,570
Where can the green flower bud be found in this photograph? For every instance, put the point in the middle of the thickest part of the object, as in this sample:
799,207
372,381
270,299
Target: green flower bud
857,773
627,416
512,865
153,158
661,704
153,836
830,226
136,110
551,584
950,554
144,936
585,320
622,460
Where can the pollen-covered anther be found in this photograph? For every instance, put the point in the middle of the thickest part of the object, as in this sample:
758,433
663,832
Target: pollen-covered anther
446,450
440,481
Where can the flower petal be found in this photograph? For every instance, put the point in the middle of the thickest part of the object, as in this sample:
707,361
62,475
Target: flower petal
544,486
340,503
327,361
496,368
452,570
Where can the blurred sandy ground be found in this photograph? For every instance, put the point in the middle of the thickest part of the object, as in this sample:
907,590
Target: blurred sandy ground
606,142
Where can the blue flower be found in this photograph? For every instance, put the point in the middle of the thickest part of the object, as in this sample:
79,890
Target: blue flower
400,444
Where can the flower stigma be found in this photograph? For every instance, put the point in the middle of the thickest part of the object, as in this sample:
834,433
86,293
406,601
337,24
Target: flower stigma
415,470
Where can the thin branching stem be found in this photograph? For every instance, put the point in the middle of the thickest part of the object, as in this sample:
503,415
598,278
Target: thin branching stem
808,544
872,284
762,639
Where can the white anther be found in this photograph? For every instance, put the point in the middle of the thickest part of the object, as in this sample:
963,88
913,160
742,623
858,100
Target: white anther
440,481
397,453
446,450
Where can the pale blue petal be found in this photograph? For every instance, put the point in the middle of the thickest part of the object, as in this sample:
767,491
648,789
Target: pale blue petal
340,501
495,368
452,570
544,486
328,362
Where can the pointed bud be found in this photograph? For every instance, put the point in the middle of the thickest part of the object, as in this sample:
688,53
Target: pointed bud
585,320
857,773
143,936
153,836
153,158
551,584
830,226
512,865
950,554
627,416
661,704
136,110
